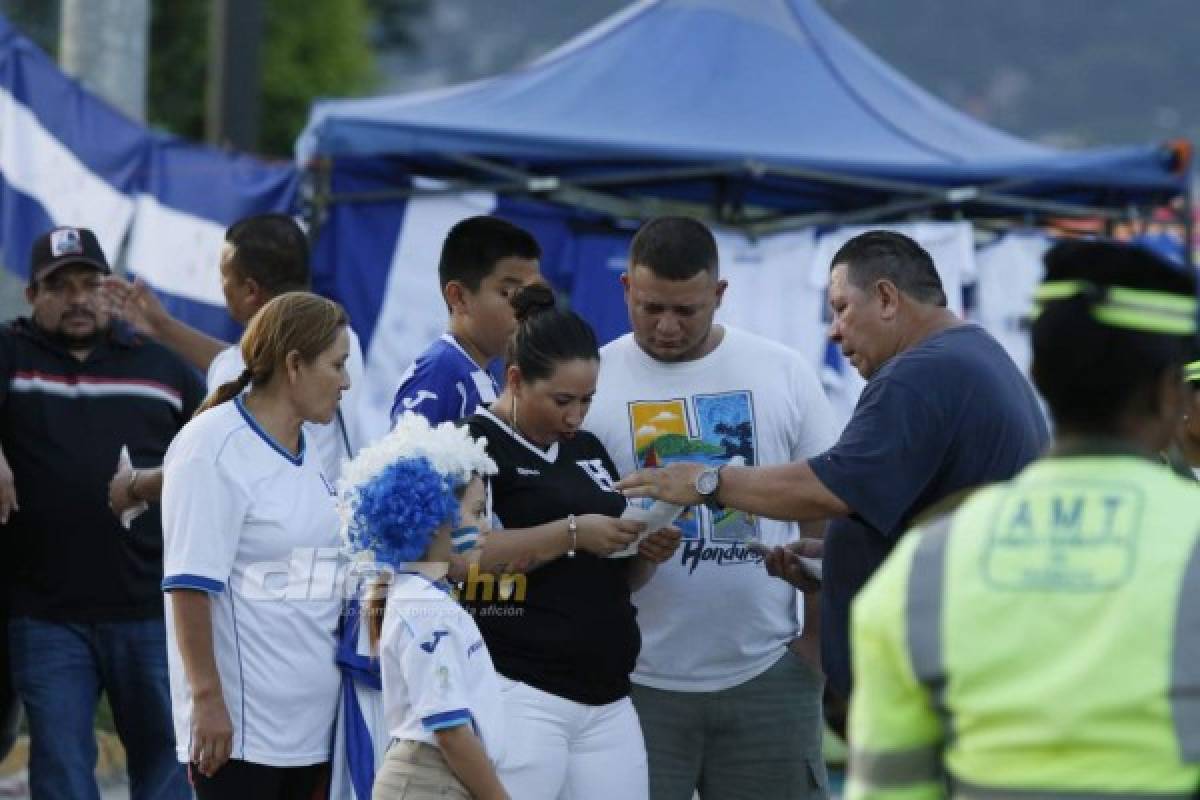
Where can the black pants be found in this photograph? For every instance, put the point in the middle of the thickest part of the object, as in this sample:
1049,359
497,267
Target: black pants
243,780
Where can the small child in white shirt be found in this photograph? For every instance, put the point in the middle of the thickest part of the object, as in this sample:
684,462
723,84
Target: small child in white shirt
412,500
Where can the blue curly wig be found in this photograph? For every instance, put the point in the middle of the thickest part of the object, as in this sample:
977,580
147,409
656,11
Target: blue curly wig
397,492
398,512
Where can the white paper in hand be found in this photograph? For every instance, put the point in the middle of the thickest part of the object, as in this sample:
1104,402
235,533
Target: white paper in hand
124,463
657,515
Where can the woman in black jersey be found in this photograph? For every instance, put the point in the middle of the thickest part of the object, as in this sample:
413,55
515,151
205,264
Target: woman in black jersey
565,635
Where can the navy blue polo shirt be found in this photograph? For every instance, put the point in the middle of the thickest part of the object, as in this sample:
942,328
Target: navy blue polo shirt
62,425
948,415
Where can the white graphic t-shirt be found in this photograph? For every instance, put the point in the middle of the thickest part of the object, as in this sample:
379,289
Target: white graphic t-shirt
711,617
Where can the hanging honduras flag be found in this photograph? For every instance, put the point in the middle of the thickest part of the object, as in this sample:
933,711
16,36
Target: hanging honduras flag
68,158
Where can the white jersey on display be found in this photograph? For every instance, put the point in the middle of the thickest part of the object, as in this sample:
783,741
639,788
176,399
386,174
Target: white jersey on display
335,442
437,673
711,618
1010,269
256,528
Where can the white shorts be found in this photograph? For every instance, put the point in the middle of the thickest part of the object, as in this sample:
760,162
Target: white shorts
562,750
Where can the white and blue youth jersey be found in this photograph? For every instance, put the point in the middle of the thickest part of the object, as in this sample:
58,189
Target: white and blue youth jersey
437,672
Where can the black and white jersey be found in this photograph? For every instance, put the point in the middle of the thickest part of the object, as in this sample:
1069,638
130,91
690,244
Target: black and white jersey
575,633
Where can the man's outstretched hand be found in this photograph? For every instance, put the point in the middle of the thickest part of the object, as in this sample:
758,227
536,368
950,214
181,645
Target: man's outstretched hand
785,562
675,483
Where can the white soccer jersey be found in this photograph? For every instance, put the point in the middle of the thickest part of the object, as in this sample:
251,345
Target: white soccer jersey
437,672
335,442
257,529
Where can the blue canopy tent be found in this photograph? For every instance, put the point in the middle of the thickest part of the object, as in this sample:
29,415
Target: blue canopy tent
757,114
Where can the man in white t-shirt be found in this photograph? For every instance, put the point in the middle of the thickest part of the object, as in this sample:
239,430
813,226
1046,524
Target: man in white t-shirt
264,256
726,685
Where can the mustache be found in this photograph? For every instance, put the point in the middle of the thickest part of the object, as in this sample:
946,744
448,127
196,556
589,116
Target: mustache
79,312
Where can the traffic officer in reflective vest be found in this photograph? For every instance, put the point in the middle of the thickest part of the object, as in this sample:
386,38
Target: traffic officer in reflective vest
1044,637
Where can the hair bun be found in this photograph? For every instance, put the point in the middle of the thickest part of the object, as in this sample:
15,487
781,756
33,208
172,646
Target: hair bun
532,300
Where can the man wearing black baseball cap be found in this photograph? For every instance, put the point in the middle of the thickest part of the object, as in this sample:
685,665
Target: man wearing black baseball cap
65,271
86,613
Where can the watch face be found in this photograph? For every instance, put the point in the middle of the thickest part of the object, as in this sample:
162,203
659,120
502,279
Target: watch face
706,482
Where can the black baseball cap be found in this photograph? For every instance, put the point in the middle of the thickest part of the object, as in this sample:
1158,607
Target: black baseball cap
62,246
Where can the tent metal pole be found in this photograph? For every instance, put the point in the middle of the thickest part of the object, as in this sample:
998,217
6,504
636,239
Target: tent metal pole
569,193
577,192
1053,207
994,194
316,191
866,215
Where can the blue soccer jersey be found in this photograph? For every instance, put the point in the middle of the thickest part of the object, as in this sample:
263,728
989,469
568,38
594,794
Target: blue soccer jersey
444,384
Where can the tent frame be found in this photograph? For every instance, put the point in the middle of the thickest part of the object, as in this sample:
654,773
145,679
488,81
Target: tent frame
996,202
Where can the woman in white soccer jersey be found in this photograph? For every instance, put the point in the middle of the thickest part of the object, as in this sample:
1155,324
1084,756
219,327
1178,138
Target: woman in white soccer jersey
411,500
566,639
250,536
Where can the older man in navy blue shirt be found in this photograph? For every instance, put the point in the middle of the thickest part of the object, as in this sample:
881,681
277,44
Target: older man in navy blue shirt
944,410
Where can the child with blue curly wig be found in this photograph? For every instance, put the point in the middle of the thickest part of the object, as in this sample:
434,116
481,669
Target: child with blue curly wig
412,500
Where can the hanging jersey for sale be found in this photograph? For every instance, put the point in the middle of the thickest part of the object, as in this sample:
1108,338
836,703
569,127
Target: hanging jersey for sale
569,629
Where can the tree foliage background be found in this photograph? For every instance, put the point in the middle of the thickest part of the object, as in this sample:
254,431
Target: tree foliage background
310,49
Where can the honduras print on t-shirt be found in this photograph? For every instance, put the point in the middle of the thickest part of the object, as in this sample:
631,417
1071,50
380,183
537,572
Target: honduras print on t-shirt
715,429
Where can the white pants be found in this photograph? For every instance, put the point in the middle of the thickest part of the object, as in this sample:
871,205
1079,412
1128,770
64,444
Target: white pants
562,750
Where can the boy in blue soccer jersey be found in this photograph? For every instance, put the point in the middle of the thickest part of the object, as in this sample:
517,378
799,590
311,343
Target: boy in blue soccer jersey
484,261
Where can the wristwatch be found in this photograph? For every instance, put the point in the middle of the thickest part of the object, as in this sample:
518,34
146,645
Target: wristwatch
706,485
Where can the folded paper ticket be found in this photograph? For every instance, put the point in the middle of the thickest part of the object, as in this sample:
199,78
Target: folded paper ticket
657,515
132,513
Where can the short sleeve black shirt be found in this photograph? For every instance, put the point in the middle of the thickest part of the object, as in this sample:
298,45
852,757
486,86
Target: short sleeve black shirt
575,634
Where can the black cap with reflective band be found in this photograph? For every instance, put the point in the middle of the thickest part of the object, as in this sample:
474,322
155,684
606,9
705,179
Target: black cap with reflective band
63,246
1144,310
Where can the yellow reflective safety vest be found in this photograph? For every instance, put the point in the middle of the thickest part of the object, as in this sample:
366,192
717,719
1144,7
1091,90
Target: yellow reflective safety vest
1042,640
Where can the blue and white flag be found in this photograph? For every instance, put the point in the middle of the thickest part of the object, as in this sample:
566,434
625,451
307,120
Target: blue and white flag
157,202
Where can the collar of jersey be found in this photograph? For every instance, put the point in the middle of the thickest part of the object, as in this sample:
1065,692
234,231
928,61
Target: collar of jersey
295,460
449,339
550,454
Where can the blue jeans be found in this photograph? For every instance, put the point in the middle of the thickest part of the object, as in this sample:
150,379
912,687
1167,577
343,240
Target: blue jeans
59,671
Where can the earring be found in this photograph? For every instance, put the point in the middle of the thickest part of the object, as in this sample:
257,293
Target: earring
516,427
